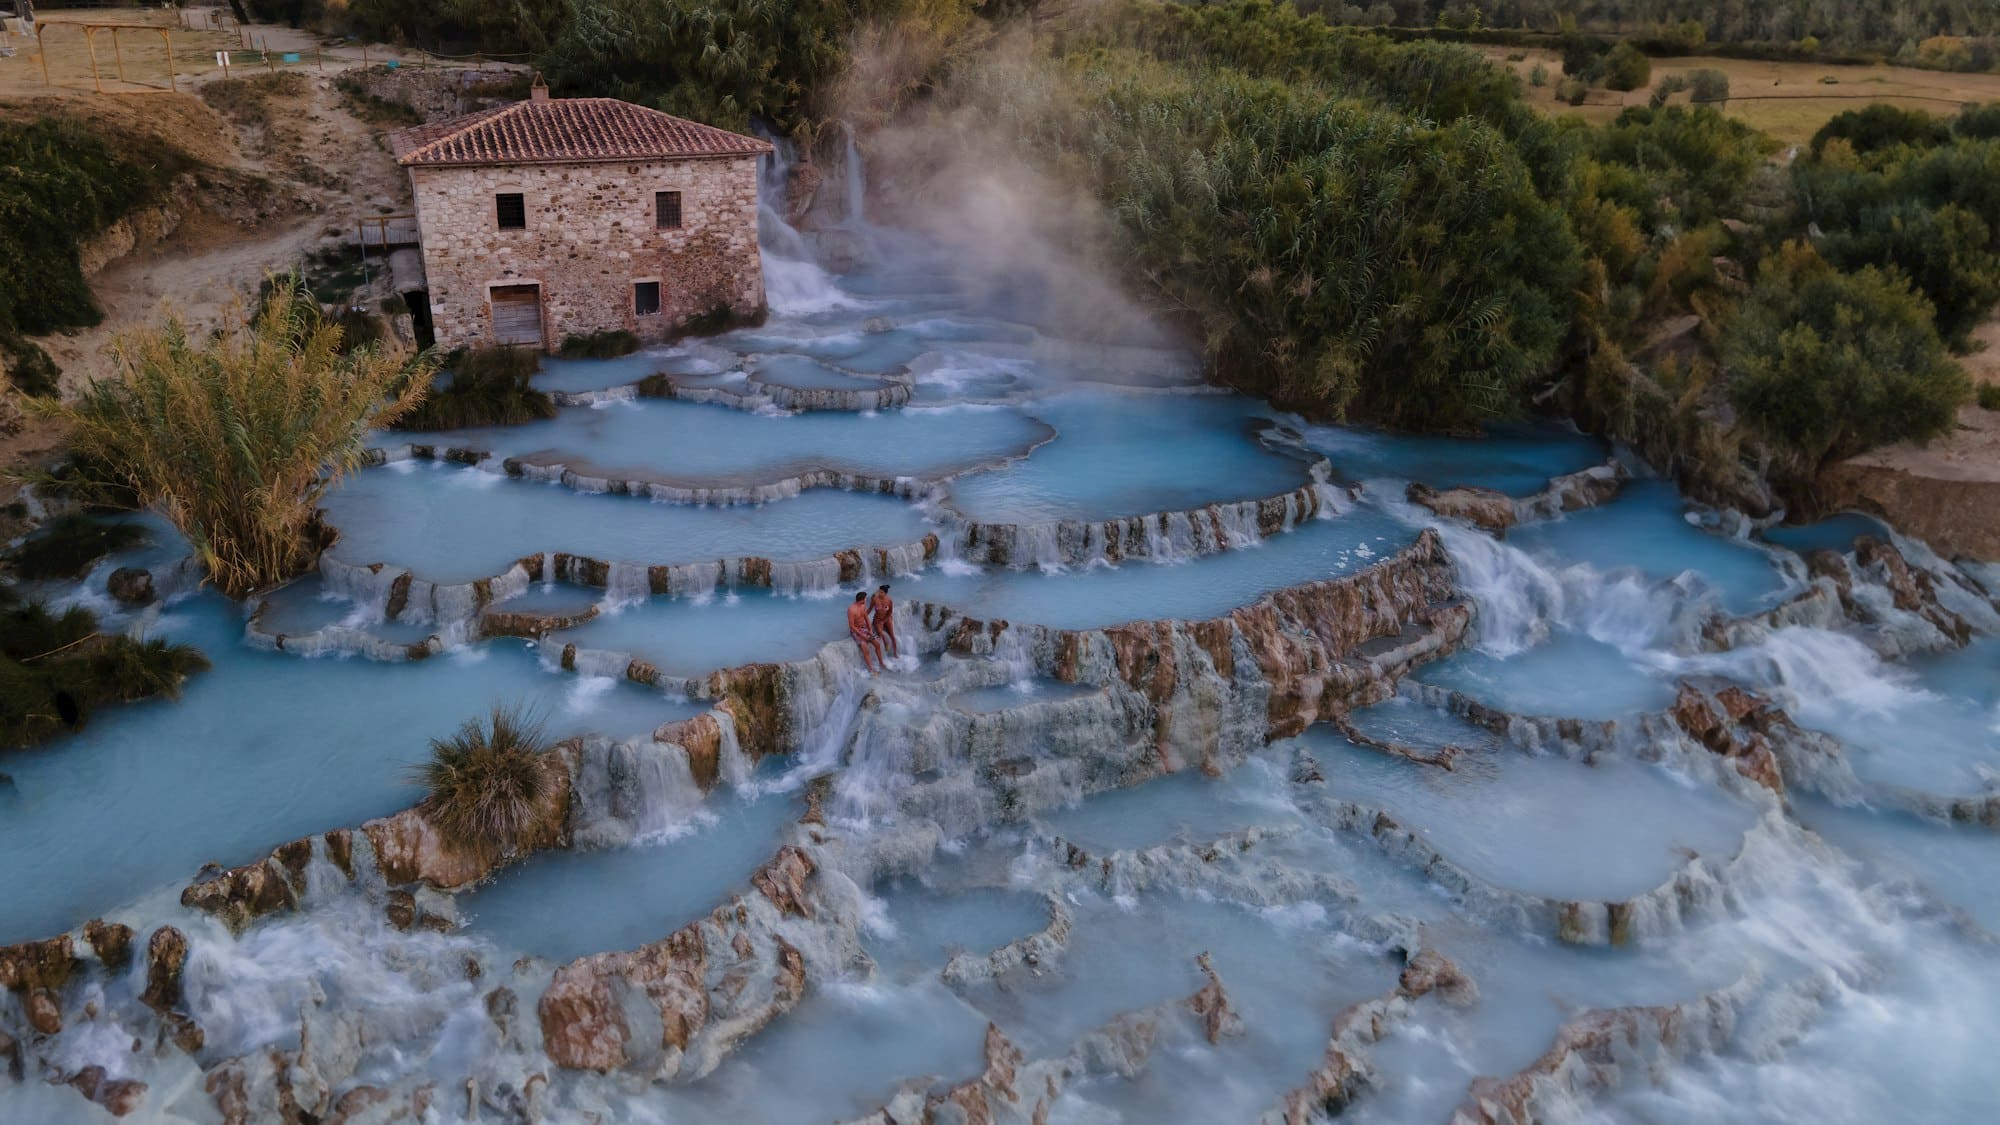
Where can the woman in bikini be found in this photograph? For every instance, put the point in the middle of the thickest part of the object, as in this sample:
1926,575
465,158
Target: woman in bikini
864,636
883,612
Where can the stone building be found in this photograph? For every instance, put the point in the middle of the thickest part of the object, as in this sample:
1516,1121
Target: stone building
556,217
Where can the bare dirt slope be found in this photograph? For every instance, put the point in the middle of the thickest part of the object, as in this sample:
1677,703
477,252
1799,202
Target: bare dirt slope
287,166
299,168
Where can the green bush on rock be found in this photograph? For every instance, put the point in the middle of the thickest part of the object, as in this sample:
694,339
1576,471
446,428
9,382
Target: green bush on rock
487,387
56,669
1825,364
67,546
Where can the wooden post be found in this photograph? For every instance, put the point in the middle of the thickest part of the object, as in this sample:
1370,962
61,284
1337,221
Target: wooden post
318,59
173,76
118,53
43,52
225,64
90,41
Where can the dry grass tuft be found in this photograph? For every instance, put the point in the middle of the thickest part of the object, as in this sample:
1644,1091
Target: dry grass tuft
489,784
235,436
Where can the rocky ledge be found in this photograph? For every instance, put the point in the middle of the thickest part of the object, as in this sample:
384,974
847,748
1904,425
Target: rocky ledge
1496,511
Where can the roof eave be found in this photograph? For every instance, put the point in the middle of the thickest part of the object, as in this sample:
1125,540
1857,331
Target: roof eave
626,159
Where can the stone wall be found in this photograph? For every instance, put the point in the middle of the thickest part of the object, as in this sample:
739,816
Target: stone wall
590,236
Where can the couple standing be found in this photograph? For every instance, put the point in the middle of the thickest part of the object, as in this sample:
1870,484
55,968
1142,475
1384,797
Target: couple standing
872,624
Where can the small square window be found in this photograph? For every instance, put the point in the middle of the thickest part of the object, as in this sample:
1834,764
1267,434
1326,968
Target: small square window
511,209
646,298
667,210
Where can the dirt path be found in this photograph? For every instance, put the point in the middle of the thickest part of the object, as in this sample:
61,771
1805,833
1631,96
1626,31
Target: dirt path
325,168
288,170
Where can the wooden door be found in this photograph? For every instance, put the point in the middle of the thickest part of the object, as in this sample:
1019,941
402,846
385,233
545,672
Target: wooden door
517,315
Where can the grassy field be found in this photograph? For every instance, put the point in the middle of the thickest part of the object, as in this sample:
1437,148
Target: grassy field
143,53
1789,100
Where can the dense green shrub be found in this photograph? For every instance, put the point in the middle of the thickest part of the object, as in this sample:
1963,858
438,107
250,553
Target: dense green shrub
1978,122
1880,126
1627,68
28,367
69,544
486,387
1707,85
1825,364
1339,255
56,670
1989,396
60,184
730,62
600,345
1915,198
1688,164
1441,81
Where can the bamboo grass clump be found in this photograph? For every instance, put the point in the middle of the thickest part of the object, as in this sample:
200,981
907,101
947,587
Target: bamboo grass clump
236,436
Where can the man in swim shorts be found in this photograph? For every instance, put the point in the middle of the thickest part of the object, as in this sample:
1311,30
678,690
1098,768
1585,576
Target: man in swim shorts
864,637
883,610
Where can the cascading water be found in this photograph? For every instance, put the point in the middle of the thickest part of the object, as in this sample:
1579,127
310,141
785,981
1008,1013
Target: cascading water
1072,852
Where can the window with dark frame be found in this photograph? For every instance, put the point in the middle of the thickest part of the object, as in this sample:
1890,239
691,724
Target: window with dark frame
646,298
667,210
511,209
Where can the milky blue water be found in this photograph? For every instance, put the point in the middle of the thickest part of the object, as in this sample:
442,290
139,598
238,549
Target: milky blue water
1593,615
1835,533
1100,466
1517,460
699,444
1568,675
622,898
451,523
1931,724
1548,826
927,927
1134,591
261,749
1952,861
688,637
1648,530
599,374
808,374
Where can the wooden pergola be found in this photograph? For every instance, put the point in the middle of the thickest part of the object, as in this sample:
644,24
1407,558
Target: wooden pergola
90,31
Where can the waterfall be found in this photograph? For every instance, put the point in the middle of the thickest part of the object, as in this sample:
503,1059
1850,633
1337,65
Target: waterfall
735,765
794,284
626,584
856,187
639,791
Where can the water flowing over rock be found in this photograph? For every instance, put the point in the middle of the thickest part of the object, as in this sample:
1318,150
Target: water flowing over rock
131,585
36,971
1017,1090
1344,1072
669,1011
1496,511
111,941
1481,507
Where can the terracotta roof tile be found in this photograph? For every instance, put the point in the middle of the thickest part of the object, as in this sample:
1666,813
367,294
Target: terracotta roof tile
566,130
